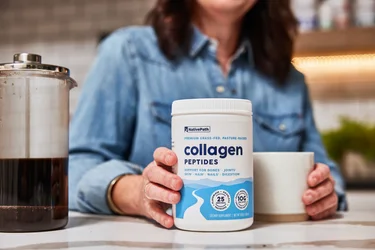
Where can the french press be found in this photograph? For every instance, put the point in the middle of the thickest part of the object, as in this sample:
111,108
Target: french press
34,128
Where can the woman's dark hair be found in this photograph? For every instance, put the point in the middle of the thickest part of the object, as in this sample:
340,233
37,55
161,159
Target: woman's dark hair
270,26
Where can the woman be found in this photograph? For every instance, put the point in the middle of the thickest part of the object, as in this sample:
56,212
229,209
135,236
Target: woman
120,134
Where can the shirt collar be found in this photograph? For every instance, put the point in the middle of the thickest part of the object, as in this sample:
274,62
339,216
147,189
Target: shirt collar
200,40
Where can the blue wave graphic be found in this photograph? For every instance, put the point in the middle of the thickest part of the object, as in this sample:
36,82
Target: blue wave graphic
203,183
205,188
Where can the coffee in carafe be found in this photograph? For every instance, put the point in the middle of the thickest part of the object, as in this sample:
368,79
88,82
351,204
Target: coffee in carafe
34,129
33,190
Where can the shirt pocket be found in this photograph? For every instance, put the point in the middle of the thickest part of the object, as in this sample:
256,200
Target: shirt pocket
278,132
161,118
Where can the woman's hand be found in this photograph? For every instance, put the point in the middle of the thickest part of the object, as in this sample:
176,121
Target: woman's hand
320,199
160,187
151,193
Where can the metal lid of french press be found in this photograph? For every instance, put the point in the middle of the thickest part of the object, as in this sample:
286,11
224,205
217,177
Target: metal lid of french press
27,61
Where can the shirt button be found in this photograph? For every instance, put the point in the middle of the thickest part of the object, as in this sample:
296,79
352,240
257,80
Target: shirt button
282,127
220,89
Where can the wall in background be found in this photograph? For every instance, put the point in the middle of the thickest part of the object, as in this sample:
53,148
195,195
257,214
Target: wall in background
66,32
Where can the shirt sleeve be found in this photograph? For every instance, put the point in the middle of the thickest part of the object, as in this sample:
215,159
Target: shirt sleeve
313,143
102,126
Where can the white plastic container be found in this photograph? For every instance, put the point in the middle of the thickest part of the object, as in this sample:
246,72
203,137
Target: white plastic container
214,145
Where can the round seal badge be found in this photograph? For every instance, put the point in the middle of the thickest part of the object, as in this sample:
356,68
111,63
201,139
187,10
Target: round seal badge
220,200
241,199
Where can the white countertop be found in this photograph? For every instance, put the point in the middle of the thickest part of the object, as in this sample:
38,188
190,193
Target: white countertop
352,230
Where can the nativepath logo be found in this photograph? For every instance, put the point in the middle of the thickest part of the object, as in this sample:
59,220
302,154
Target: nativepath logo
205,129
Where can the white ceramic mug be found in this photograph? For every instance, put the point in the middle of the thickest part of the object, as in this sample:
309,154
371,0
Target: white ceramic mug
280,179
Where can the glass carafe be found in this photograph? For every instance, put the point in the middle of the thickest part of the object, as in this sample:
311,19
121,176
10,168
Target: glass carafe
34,134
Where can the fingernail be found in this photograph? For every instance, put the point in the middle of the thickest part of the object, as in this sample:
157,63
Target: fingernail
174,184
166,222
309,198
171,198
315,180
168,159
312,211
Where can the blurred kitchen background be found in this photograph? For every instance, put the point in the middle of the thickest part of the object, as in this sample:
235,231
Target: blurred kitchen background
335,50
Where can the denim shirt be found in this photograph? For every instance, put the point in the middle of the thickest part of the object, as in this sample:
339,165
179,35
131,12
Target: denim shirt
124,111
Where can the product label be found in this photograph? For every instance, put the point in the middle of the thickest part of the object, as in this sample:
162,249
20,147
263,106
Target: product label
215,163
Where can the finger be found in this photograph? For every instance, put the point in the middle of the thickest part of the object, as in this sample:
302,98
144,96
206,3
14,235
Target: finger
320,174
325,215
157,213
158,193
165,156
322,205
314,194
159,175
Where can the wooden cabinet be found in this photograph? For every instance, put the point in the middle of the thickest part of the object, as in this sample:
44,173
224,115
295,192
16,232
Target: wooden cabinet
336,42
338,64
